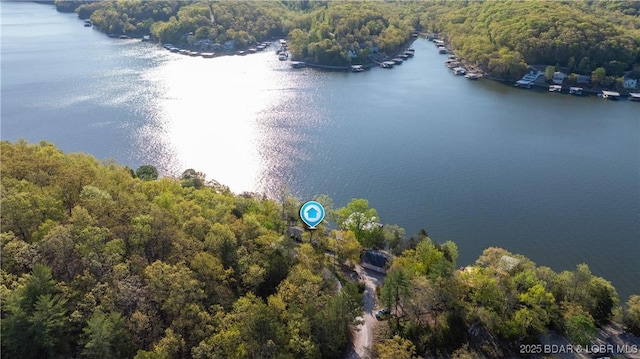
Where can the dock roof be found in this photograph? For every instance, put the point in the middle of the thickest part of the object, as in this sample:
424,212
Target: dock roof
610,93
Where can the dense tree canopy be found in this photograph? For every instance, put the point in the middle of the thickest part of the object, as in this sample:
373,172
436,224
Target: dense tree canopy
501,301
502,37
579,36
100,263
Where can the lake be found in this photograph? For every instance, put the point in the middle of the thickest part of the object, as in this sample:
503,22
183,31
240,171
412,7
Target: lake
550,176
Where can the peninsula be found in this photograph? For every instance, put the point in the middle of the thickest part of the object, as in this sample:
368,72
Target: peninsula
500,38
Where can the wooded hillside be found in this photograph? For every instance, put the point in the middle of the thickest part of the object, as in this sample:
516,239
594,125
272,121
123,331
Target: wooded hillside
502,37
99,261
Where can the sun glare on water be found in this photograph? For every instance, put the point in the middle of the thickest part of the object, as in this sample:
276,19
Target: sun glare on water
207,113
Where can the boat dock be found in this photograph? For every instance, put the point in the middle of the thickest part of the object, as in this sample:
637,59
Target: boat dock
555,88
610,95
575,90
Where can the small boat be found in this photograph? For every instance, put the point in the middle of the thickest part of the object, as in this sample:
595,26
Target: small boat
297,64
184,52
124,36
146,38
88,23
409,53
283,56
459,71
610,95
403,56
174,49
634,96
168,46
472,76
442,50
451,64
575,91
524,84
357,68
207,55
241,53
387,64
397,61
260,47
555,88
252,50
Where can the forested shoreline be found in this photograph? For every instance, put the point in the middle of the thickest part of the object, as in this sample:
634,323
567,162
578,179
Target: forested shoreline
502,38
101,261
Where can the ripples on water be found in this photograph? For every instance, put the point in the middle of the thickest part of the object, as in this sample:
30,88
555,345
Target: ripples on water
236,118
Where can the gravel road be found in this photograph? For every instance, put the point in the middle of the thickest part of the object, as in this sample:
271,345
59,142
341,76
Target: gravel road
363,335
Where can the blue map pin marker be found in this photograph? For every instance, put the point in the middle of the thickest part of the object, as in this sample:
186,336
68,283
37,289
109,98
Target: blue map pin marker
312,213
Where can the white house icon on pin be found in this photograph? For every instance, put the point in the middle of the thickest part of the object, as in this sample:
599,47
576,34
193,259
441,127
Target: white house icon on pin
312,213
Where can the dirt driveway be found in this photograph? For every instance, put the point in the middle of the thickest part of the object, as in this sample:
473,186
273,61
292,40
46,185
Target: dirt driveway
362,337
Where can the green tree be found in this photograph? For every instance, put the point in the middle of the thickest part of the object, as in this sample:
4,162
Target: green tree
362,221
48,326
395,348
347,247
603,300
579,326
330,325
106,336
632,314
35,322
147,173
192,178
549,71
171,345
396,286
172,287
598,75
25,207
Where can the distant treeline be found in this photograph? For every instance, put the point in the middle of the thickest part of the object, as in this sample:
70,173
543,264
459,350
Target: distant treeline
578,36
501,37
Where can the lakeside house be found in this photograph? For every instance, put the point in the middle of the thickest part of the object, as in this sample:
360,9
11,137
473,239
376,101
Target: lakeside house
375,260
583,79
558,77
529,79
630,83
295,233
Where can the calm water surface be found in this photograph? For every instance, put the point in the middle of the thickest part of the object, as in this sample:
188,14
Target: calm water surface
553,177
